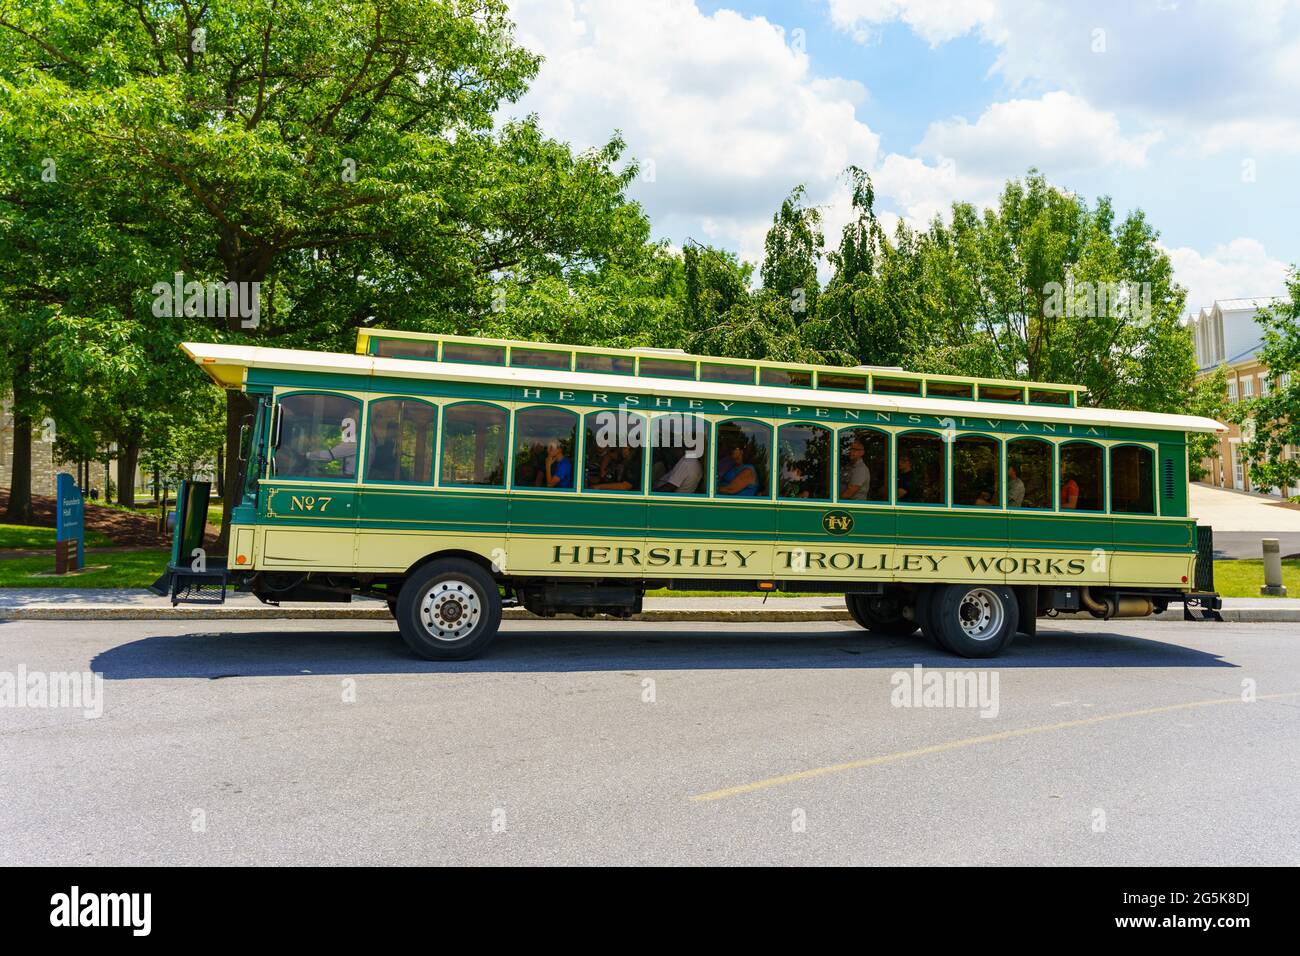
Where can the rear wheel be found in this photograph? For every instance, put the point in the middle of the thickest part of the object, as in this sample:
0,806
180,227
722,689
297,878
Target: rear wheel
449,610
880,614
974,620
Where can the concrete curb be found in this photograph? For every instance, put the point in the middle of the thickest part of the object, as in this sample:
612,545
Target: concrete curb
381,614
702,615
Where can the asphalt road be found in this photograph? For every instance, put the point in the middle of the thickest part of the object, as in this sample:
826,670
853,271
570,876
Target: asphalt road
1119,743
1249,544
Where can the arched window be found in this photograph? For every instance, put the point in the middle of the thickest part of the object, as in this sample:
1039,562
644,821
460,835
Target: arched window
922,467
744,459
1132,480
545,442
864,465
976,471
1082,477
319,437
615,444
474,444
679,453
805,460
399,440
1029,473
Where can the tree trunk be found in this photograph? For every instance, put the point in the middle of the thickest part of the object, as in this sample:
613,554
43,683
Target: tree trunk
127,456
20,486
237,406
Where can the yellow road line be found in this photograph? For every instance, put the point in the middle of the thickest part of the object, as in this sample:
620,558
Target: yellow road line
965,742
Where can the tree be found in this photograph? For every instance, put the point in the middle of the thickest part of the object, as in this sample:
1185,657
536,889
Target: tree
336,163
791,253
1271,423
1209,399
729,319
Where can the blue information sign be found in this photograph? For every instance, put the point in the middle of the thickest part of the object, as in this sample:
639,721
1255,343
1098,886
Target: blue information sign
70,522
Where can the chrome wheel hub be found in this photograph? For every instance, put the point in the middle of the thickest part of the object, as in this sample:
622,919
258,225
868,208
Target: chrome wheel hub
980,614
450,609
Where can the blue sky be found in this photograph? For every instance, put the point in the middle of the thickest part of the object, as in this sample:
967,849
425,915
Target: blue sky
1183,109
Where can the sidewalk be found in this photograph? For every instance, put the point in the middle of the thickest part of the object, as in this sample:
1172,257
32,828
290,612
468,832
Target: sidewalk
98,604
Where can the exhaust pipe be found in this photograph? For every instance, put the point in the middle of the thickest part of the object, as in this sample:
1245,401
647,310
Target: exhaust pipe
1110,605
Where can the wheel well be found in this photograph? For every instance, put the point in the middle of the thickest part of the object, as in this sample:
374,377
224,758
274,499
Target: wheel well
478,559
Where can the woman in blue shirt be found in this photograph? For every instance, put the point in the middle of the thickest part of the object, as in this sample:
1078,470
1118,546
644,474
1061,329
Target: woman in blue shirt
736,477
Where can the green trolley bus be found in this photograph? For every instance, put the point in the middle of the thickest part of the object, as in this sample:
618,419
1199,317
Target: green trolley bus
454,476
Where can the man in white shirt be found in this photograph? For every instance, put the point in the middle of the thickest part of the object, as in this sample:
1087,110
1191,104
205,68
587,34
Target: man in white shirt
1015,488
684,477
856,480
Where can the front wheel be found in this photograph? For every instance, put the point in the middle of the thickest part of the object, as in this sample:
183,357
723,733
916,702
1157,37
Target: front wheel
449,610
974,620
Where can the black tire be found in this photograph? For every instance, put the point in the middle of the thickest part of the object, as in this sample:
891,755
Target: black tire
879,614
974,620
449,610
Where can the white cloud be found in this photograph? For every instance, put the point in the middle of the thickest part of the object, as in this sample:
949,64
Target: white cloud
936,20
1247,137
723,112
1239,269
1181,63
1058,132
923,190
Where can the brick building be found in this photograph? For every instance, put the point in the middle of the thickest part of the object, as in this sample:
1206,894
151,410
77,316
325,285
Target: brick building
1228,333
43,466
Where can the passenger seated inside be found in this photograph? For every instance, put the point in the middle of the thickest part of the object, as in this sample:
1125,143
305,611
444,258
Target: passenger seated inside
1069,493
906,479
735,475
1015,488
685,476
619,469
558,468
855,476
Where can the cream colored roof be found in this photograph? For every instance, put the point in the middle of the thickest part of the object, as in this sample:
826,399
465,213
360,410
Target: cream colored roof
226,365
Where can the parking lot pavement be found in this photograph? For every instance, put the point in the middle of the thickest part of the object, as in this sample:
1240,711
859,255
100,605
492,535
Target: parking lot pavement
590,742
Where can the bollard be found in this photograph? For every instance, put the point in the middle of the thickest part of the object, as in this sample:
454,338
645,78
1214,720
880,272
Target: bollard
1272,586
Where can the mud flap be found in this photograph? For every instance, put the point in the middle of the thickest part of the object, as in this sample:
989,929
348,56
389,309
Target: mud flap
1027,601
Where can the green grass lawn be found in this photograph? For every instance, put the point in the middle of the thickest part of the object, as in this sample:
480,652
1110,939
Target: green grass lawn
1243,578
123,569
150,509
21,537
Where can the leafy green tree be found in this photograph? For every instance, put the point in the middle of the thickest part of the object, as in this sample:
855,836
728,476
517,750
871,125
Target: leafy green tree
1271,423
871,311
729,319
791,253
1209,398
341,156
1066,294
